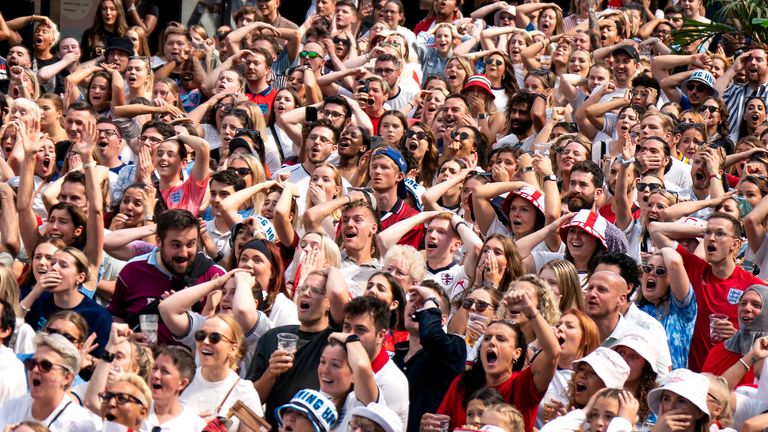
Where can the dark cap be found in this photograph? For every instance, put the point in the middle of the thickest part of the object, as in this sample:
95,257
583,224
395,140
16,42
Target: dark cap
628,50
121,44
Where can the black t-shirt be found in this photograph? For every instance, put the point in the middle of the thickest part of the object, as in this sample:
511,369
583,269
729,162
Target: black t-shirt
302,375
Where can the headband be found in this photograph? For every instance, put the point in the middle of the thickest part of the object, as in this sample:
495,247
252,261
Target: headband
261,246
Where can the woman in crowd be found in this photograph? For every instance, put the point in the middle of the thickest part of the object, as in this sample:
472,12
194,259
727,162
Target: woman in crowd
52,115
420,143
477,90
683,396
263,259
498,265
479,301
126,401
541,295
285,100
641,355
602,368
139,79
499,71
754,116
23,335
386,288
354,142
172,372
392,128
563,279
108,22
481,400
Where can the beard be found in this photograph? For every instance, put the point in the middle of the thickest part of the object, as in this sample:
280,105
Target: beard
521,127
577,201
177,265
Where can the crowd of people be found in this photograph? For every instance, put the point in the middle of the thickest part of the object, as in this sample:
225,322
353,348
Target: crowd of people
480,216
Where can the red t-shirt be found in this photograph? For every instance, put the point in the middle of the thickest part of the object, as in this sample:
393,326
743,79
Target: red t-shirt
402,211
423,25
713,295
519,390
720,360
607,212
375,122
263,99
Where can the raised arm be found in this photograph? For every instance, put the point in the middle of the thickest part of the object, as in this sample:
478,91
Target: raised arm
118,334
389,237
281,218
244,305
202,149
30,143
430,197
523,10
118,243
146,22
488,9
685,208
338,294
529,54
678,278
671,85
366,389
471,241
481,201
45,73
623,197
753,225
173,310
9,229
586,127
596,113
313,216
232,203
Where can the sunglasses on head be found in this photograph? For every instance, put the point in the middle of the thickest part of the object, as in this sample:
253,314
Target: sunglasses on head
213,337
344,41
462,135
659,271
65,335
420,134
691,86
242,172
496,62
650,186
43,366
480,305
310,54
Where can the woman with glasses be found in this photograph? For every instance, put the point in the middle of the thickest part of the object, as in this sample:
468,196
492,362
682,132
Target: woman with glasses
421,145
715,114
126,401
220,344
481,302
666,295
50,372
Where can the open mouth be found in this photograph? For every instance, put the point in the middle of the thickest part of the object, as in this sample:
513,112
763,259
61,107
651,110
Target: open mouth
350,234
755,117
110,417
103,144
650,284
206,351
413,146
699,176
132,78
180,260
580,387
746,321
39,41
491,357
46,163
36,382
561,340
711,248
157,386
431,245
304,305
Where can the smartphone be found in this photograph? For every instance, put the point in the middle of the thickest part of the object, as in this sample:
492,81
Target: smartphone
311,114
376,142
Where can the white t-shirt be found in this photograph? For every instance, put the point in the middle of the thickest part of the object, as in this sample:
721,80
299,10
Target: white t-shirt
186,421
394,388
284,312
12,377
25,338
67,417
679,174
500,99
350,403
557,390
760,258
204,396
452,278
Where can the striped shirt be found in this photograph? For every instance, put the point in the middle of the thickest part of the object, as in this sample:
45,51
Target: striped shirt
735,97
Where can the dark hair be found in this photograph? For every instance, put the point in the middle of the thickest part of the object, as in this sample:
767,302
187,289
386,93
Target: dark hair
338,100
481,147
276,276
229,178
264,52
445,302
403,122
7,320
376,308
181,357
760,182
429,78
390,58
175,219
628,268
589,167
165,129
78,220
458,96
489,396
397,316
425,173
644,81
738,230
74,177
743,123
323,123
83,106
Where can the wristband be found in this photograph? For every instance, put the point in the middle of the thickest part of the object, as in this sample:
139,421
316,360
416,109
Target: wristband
528,169
352,338
745,364
107,357
530,317
461,222
715,175
91,164
433,300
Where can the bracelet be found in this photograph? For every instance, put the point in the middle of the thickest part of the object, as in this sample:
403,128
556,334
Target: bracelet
530,317
132,8
24,308
490,285
433,300
745,364
90,164
461,222
715,175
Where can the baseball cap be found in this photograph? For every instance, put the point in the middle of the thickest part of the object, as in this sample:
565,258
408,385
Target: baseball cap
642,345
608,365
393,154
684,383
120,43
628,50
591,222
479,81
702,76
316,406
380,414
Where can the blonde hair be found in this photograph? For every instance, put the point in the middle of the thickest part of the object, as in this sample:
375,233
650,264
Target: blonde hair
512,416
257,170
238,337
720,391
29,104
9,289
140,384
547,306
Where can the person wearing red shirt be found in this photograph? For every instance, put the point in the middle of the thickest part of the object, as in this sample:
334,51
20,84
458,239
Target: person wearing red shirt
372,94
717,281
443,11
257,88
502,356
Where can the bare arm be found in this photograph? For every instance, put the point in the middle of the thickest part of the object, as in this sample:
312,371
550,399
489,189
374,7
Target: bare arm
753,225
678,278
430,197
281,218
585,125
338,295
671,85
596,113
313,216
94,246
232,203
201,170
30,236
117,243
147,22
9,229
173,310
47,72
623,198
389,237
244,305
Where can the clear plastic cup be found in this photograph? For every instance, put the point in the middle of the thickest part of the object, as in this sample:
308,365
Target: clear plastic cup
287,342
445,422
713,320
471,336
149,325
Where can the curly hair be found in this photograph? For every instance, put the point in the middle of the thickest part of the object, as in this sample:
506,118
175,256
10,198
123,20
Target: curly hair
546,302
647,383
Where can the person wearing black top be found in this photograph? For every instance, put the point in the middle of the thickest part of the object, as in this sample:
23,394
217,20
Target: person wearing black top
278,374
430,359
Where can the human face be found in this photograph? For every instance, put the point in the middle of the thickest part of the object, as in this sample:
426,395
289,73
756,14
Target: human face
756,66
690,142
581,41
578,63
443,41
42,38
99,92
334,372
447,170
335,114
229,126
499,350
210,355
603,411
652,126
416,146
357,229
455,74
19,56
227,82
108,13
398,269
609,34
44,384
325,178
385,174
730,207
312,300
586,383
250,178
520,119
569,334
750,192
673,402
515,311
718,250
602,299
624,68
391,130
455,110
268,209
548,275
255,68
441,240
163,91
176,46
178,249
50,115
548,21
392,14
167,160
388,71
363,326
635,361
655,204
534,85
219,191
345,16
597,76
320,144
166,381
495,248
295,421
129,414
652,155
655,287
9,140
42,259
317,62
378,286
522,217
109,142
284,102
516,46
61,226
750,306
572,152
475,409
495,66
712,117
134,37
118,58
67,329
44,159
258,264
351,142
75,123
754,113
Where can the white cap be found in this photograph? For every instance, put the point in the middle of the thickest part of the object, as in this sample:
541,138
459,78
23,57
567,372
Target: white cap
684,383
642,345
608,365
381,415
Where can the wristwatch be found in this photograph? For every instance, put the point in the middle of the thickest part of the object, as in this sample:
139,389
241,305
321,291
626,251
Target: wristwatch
528,169
433,300
107,356
550,177
625,162
352,338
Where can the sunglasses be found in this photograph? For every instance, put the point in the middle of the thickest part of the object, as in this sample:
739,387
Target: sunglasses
480,305
229,109
658,271
390,44
213,337
242,172
65,335
462,135
337,40
310,54
641,187
496,62
120,398
419,135
43,366
698,87
711,109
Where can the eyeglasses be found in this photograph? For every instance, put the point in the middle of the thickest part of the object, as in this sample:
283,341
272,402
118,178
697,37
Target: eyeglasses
480,305
493,62
659,271
559,149
711,109
120,398
242,172
317,292
333,115
642,94
691,86
719,235
390,44
310,54
213,337
462,135
67,336
383,72
353,426
418,134
641,187
322,139
43,366
344,41
151,139
225,108
107,132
